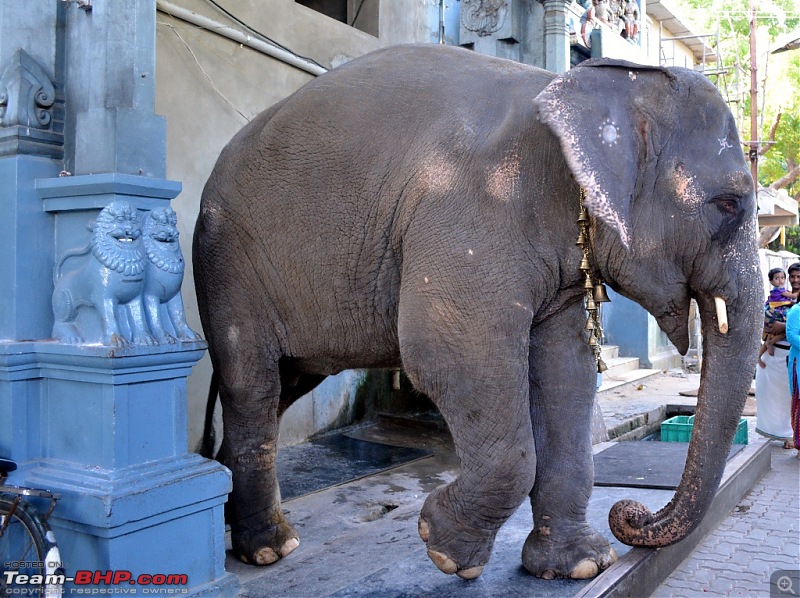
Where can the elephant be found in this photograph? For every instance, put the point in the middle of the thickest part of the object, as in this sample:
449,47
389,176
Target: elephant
417,207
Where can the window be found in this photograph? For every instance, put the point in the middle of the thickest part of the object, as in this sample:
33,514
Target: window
361,14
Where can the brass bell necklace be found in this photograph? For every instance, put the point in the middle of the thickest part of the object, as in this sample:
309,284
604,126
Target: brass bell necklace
595,290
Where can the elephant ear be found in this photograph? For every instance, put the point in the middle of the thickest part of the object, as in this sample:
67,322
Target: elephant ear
600,114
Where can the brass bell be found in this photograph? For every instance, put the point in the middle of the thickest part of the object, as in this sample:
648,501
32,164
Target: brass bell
581,241
601,366
592,340
584,217
585,263
599,293
588,285
590,304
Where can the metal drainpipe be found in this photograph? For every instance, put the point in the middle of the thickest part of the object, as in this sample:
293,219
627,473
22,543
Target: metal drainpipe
235,35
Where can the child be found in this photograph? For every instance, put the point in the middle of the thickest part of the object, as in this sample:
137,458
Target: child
775,308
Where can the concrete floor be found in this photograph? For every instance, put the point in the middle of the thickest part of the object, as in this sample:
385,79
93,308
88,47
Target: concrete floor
360,538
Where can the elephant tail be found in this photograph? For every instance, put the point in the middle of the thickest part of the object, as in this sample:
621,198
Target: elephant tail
209,436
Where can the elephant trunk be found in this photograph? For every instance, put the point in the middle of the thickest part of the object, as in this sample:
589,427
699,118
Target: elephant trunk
727,372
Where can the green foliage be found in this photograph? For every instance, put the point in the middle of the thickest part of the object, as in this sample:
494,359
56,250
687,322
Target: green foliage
792,240
784,154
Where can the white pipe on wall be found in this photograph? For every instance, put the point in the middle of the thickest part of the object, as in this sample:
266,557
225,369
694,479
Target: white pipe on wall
242,38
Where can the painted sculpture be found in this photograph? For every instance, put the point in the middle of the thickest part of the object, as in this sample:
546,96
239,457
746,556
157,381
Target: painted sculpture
119,273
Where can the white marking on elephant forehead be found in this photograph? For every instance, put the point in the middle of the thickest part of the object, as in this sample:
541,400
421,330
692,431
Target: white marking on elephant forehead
631,75
527,308
723,143
609,132
469,251
503,179
425,280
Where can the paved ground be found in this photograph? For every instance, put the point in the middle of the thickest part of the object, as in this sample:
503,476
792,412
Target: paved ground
760,538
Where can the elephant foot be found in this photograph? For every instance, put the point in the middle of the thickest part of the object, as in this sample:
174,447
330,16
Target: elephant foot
578,555
266,547
453,545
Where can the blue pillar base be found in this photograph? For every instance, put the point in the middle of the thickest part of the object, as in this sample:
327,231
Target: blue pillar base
111,439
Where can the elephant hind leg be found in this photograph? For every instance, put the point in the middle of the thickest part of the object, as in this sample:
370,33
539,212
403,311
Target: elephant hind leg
250,393
294,384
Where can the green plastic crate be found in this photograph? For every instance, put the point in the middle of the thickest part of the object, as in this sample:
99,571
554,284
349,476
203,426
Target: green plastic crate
679,429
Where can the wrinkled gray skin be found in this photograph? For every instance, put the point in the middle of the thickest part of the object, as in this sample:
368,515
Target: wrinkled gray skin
417,207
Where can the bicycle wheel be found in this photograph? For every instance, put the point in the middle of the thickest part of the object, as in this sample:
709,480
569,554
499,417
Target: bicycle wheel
28,548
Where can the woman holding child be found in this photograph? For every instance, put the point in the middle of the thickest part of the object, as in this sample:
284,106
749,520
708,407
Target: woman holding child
773,391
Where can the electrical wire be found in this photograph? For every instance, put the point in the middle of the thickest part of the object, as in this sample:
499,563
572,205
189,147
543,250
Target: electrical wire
257,33
202,70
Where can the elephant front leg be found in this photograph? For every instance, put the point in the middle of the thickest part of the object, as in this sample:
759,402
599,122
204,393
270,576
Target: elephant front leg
260,533
480,387
562,385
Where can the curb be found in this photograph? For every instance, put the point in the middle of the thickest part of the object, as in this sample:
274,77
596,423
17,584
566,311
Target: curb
641,570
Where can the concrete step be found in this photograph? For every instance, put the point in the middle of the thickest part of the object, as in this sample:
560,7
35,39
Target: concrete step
609,352
619,365
360,539
626,377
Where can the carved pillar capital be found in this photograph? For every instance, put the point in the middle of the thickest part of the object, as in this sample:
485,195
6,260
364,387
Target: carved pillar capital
556,35
26,93
31,89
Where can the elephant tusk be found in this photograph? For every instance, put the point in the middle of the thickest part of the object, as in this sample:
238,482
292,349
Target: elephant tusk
722,314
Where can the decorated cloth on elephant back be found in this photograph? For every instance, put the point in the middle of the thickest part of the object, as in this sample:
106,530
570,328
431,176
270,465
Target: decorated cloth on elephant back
793,336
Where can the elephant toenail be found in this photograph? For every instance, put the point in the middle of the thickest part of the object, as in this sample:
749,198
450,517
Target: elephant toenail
289,546
265,556
470,573
584,570
424,530
549,574
445,563
608,559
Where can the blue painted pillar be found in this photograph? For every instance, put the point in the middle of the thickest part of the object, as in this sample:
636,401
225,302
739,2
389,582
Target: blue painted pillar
105,426
556,35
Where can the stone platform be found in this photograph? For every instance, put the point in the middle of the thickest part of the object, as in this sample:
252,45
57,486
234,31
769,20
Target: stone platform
360,538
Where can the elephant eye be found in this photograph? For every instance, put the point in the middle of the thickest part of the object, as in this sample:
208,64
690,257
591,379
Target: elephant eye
724,214
727,205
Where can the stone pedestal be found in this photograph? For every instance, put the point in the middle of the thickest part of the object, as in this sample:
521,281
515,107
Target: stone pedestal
103,426
106,428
